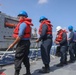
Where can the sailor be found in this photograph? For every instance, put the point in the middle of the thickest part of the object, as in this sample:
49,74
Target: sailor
74,39
22,34
45,32
61,40
71,44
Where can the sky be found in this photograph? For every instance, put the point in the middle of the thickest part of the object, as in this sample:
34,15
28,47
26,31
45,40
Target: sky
59,12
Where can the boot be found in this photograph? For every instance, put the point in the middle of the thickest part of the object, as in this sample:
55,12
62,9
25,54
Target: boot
66,63
71,61
60,65
27,73
16,72
45,69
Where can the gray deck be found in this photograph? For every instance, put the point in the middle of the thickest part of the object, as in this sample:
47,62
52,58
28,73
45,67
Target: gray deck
69,69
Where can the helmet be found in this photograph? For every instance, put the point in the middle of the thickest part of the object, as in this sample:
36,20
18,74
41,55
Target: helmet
70,27
58,28
42,18
23,13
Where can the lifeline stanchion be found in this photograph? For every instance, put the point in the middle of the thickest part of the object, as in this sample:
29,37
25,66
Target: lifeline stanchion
33,57
36,46
54,52
35,52
3,54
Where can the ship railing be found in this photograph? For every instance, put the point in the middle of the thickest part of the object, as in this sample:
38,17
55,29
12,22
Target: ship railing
35,52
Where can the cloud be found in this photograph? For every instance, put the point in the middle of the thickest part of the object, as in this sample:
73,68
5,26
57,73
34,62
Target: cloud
42,1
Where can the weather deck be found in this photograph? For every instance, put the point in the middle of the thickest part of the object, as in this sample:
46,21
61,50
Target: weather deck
69,69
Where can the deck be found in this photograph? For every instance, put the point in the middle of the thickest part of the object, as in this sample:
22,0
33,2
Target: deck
69,69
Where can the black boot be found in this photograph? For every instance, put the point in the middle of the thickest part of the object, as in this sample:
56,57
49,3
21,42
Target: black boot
27,73
45,69
75,57
66,63
17,72
71,61
60,65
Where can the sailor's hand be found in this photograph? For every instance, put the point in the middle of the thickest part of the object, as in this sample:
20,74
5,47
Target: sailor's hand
68,39
11,46
57,42
54,41
37,40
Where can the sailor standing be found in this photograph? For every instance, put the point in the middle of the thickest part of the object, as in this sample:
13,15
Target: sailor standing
22,34
61,39
45,32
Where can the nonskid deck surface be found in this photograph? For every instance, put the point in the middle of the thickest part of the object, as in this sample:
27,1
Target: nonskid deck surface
69,69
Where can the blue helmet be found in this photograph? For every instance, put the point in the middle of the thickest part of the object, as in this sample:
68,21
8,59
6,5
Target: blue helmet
70,27
42,18
23,13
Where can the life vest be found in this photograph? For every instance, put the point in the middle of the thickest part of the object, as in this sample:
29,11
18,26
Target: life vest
49,25
59,35
27,32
